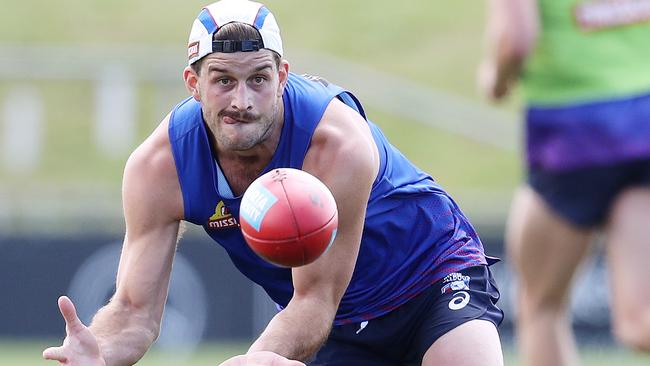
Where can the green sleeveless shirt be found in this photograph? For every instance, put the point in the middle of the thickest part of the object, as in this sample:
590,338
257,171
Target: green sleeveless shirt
588,50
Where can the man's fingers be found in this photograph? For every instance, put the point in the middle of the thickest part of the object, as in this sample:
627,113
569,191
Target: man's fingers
55,353
69,314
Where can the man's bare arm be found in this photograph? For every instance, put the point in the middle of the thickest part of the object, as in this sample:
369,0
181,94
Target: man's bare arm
511,34
124,329
130,323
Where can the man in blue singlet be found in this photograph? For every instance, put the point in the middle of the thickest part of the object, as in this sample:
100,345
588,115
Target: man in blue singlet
405,282
584,66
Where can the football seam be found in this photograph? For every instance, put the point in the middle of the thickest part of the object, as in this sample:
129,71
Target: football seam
295,220
293,217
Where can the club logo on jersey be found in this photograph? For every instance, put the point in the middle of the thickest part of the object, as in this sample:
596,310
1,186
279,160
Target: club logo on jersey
600,14
222,218
455,282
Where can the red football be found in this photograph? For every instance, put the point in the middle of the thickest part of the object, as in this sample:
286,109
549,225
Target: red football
288,217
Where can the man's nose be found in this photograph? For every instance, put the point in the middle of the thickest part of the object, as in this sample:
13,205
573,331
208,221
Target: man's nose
241,99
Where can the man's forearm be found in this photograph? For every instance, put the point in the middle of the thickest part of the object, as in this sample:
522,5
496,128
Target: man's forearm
297,332
123,334
511,32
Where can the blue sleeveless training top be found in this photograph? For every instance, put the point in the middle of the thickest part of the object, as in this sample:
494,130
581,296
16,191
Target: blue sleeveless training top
414,234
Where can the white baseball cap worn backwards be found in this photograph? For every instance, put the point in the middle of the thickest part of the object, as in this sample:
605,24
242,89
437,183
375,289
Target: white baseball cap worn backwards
218,14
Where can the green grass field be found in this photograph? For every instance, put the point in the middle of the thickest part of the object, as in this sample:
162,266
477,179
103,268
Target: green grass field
29,354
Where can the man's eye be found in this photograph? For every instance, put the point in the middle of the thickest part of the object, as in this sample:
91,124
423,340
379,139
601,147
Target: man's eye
223,81
258,80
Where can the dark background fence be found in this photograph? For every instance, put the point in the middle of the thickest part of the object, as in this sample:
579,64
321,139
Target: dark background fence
209,299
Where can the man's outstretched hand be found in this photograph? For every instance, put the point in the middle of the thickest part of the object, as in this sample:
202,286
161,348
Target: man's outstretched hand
80,347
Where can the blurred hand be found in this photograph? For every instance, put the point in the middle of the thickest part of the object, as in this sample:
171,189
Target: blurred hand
489,84
80,346
262,358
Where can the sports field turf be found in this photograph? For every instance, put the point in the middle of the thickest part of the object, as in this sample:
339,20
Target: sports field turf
28,354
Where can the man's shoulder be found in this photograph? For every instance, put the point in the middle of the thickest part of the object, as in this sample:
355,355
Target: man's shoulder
155,149
150,174
184,117
309,78
309,84
186,105
309,95
152,165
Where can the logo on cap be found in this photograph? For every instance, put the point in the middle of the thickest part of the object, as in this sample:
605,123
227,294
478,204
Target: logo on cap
220,13
192,49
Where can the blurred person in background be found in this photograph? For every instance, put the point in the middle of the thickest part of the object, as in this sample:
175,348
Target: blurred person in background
406,280
584,67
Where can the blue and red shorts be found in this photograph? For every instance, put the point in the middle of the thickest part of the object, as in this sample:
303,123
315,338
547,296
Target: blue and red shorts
403,336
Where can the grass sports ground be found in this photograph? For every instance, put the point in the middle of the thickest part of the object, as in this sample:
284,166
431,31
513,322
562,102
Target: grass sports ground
28,354
433,44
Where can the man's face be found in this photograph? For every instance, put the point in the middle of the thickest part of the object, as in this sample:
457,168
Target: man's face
241,97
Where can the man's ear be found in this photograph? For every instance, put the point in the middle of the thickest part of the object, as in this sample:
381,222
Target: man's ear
283,73
192,82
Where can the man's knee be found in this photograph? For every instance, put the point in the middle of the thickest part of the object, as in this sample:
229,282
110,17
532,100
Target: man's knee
543,300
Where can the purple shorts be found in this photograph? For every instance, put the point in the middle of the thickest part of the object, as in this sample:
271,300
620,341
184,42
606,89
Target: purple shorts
585,196
589,134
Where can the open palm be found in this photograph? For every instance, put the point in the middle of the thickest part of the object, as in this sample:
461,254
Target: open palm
80,346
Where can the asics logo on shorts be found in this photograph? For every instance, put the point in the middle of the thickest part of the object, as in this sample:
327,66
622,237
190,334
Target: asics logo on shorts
459,301
456,282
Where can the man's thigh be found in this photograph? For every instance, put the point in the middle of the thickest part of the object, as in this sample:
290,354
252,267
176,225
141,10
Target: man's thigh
470,344
628,250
